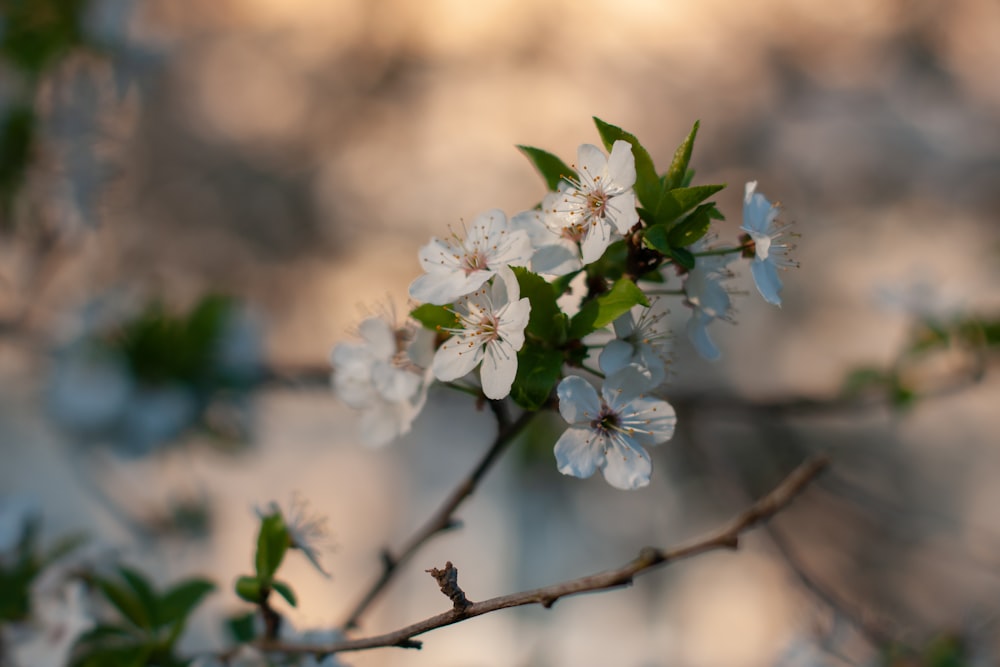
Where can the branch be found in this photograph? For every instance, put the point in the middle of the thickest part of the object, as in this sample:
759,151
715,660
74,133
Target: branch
725,537
443,518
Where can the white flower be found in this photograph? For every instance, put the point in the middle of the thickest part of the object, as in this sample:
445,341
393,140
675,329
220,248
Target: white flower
489,329
609,431
709,299
641,341
770,252
601,204
456,266
307,532
380,377
59,617
557,252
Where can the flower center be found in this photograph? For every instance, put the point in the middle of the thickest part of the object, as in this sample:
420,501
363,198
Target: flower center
474,261
597,203
607,421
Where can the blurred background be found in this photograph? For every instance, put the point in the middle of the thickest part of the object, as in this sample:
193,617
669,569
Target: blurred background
293,155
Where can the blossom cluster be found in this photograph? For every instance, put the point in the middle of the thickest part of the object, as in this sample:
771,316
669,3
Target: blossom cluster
517,306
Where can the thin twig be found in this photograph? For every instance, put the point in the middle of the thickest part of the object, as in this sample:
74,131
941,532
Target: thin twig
443,519
725,537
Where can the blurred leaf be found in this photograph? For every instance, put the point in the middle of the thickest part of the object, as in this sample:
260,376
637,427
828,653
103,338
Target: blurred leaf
144,593
36,33
248,588
125,602
552,169
605,309
272,543
285,591
561,284
863,379
178,602
433,317
647,183
538,370
683,257
674,177
241,627
17,138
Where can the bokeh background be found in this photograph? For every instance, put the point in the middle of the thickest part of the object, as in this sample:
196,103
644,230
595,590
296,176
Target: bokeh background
296,153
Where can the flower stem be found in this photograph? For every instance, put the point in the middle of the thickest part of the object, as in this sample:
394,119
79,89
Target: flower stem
443,518
720,251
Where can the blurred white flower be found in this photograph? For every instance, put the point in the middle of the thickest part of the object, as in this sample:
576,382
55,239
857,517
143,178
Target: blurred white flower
760,221
609,432
640,340
708,299
58,619
459,266
489,330
384,376
601,203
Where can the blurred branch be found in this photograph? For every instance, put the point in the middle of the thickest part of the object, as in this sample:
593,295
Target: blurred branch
443,519
725,537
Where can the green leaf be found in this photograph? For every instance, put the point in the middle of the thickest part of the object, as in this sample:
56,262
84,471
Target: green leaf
552,169
674,177
683,257
605,309
679,201
179,601
125,602
656,237
272,543
241,627
248,588
144,593
647,183
433,317
538,370
691,228
285,591
545,321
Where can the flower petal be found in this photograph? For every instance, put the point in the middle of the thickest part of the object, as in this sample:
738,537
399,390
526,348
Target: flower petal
622,212
499,369
627,467
649,421
440,288
579,452
765,276
697,331
617,354
456,358
380,337
621,164
591,163
578,402
596,241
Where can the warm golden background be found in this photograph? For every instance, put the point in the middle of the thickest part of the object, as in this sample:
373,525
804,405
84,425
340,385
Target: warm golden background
298,152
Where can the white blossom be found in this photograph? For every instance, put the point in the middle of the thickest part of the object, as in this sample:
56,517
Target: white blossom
556,250
609,432
600,206
760,221
708,298
640,339
489,329
381,377
458,266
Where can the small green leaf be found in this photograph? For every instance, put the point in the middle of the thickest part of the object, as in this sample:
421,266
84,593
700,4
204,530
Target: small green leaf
674,177
538,370
433,317
561,284
272,543
179,601
683,257
647,183
679,201
657,238
144,593
692,228
285,591
544,321
552,169
125,602
605,309
241,627
248,588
